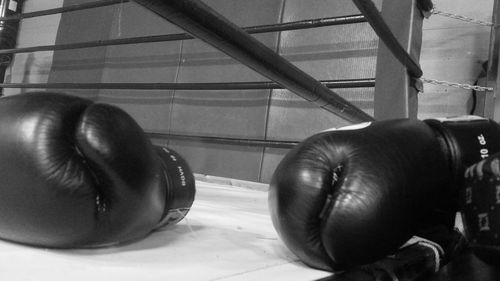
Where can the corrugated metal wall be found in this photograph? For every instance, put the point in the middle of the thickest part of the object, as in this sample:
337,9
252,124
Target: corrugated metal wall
339,52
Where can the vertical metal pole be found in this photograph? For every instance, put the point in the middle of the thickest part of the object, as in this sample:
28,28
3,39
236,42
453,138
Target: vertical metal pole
489,100
395,90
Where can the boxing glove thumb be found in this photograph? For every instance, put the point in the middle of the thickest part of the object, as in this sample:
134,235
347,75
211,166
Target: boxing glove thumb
76,174
344,198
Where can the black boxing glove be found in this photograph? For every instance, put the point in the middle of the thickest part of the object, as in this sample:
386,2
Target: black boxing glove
465,141
74,173
481,208
344,198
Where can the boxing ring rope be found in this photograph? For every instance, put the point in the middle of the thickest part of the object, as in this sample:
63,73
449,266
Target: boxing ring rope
226,140
294,79
201,21
285,74
198,19
333,84
366,7
296,25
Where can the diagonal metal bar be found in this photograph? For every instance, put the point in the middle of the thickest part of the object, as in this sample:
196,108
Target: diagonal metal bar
201,21
384,32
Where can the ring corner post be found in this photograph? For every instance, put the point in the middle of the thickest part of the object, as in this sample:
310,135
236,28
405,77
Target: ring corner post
489,100
396,95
